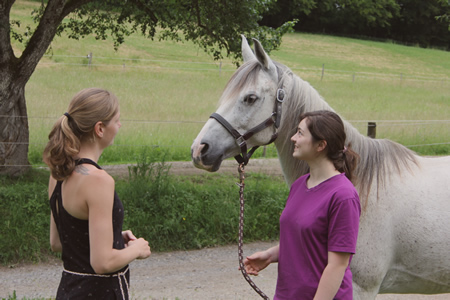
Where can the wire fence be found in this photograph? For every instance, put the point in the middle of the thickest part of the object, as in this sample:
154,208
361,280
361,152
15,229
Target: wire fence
228,66
361,123
378,123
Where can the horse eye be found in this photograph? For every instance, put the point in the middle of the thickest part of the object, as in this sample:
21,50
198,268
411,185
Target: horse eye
250,99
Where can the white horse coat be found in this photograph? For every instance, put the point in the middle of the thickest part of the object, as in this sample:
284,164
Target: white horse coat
404,237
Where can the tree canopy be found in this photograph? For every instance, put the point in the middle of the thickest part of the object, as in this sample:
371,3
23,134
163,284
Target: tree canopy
424,23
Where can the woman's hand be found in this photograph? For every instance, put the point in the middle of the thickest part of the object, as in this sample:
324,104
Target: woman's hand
128,236
260,260
141,246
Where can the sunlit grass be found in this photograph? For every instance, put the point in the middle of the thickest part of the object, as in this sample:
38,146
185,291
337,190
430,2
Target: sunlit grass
168,90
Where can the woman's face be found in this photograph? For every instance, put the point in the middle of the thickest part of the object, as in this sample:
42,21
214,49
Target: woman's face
112,129
304,145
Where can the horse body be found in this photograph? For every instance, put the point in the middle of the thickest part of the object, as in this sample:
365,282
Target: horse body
404,239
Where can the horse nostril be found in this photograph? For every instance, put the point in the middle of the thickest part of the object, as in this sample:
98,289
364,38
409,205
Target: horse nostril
205,148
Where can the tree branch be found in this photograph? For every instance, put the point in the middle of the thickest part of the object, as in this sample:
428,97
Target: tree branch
6,51
55,12
200,24
146,9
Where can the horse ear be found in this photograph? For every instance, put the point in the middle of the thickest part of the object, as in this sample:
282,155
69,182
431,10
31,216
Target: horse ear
247,53
262,56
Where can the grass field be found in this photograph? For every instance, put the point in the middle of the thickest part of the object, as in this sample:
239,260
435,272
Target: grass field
168,90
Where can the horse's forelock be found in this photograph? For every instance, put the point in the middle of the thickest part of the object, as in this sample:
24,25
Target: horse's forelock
246,75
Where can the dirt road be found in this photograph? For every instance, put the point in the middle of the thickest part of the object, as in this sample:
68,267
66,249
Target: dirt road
205,274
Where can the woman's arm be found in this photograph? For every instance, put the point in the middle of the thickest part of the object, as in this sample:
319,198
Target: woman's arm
55,243
332,276
99,191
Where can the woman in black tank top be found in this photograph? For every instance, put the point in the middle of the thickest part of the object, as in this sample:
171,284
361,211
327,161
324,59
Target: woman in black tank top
86,213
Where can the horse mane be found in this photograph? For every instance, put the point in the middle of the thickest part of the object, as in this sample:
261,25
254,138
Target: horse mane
379,158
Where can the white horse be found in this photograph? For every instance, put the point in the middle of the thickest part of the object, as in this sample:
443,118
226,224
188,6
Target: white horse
404,238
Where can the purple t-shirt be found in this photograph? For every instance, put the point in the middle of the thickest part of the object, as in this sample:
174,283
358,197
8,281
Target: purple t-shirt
315,221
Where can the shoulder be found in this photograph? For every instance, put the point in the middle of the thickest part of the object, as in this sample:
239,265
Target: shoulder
94,183
344,190
98,178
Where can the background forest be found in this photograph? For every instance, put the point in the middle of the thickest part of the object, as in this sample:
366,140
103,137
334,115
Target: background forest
410,22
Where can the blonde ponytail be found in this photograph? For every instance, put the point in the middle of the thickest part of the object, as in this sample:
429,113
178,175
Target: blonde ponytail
75,127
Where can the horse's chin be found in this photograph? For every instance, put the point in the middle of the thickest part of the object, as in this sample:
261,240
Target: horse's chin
215,166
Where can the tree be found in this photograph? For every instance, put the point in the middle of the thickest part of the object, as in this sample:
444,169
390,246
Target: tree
341,16
215,25
418,22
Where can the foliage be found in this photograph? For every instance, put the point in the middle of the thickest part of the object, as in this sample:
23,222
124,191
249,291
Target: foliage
408,21
25,216
194,212
172,212
205,22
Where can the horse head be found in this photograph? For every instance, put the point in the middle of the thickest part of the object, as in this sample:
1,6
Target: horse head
248,115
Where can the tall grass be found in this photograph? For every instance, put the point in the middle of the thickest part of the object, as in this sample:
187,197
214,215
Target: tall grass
25,217
194,212
171,212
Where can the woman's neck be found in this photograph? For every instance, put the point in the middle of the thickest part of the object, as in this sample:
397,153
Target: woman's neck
321,169
90,151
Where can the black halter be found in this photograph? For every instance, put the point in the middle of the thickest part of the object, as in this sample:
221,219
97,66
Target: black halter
241,139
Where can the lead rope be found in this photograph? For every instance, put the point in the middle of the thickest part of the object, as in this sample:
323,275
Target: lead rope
241,232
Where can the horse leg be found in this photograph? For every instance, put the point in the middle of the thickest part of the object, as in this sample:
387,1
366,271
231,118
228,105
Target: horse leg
360,293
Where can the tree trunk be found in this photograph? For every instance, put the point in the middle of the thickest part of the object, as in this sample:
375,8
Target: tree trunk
14,74
14,133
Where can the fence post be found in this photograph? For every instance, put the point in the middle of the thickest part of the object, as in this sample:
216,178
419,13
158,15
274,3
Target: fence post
371,129
323,70
89,56
353,77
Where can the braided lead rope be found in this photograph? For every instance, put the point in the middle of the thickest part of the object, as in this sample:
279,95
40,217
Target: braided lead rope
241,233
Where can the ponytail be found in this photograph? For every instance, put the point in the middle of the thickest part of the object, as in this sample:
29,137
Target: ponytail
62,147
345,161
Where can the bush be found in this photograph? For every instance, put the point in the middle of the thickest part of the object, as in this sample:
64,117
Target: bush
182,212
171,212
25,215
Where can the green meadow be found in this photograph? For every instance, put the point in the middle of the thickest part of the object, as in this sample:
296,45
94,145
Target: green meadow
167,90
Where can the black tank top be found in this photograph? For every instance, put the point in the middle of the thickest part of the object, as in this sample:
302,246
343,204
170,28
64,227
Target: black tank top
74,237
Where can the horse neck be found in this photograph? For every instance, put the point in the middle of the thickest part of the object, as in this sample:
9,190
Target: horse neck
301,97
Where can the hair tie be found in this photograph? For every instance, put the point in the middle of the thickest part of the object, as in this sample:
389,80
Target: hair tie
345,150
68,116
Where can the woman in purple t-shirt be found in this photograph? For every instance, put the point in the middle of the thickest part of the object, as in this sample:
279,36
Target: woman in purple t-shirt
319,225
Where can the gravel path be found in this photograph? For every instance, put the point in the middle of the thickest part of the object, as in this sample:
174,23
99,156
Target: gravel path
205,274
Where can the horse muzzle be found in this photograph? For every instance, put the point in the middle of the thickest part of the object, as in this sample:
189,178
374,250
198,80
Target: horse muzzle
203,160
